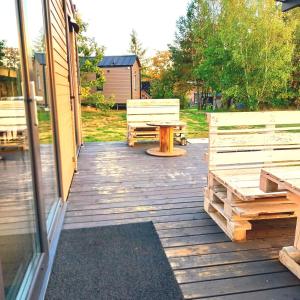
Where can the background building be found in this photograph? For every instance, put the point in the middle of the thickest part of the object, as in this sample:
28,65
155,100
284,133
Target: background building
122,77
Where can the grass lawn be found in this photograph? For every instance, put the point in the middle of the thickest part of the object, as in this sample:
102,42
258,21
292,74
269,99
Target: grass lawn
100,127
45,131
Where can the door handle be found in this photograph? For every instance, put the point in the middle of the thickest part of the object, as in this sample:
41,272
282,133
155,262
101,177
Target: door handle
34,100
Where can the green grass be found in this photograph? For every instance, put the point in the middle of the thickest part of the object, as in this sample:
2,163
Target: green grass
45,131
196,123
112,126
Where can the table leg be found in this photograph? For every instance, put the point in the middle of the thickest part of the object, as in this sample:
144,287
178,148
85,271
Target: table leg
166,139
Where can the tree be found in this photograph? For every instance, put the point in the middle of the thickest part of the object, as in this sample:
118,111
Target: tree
159,63
244,49
12,58
161,75
193,31
135,46
39,42
258,43
91,54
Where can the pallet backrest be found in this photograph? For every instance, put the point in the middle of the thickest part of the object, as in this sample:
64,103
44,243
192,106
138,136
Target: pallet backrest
152,110
253,139
12,113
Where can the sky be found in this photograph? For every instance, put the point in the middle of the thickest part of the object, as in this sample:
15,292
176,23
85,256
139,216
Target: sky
111,21
8,22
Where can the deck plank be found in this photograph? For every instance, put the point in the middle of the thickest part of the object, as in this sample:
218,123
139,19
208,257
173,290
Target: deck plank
119,185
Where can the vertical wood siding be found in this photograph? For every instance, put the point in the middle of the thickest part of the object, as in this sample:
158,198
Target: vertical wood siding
65,116
117,83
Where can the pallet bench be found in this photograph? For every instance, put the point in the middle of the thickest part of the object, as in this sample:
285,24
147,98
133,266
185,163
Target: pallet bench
240,144
140,112
13,126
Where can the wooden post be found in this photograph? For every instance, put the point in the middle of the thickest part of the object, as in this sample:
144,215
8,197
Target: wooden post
267,185
297,234
166,139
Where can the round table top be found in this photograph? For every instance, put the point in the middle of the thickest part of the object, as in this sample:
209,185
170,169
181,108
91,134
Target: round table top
166,124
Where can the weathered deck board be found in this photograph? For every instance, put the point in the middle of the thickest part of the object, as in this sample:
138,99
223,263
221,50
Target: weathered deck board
118,185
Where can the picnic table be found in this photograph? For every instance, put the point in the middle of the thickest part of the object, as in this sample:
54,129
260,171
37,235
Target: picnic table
288,179
166,140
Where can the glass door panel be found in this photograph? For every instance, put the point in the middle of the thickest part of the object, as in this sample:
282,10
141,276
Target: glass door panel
19,237
39,79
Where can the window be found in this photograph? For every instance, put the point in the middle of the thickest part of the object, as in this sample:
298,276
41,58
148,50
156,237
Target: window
134,82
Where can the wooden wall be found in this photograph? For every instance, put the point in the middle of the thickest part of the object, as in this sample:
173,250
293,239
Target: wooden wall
64,105
117,83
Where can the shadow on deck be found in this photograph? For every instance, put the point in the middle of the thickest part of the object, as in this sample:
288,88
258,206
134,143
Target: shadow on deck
117,185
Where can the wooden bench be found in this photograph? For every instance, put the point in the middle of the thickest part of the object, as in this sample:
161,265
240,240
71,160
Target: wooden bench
140,112
12,124
240,144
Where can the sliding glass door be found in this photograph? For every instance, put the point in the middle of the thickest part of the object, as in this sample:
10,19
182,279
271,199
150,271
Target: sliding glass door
29,194
20,242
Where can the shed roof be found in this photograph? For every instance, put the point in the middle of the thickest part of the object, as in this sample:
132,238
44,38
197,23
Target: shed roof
289,4
119,61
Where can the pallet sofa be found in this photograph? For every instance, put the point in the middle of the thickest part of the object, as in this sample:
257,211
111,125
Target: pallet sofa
13,126
240,144
140,112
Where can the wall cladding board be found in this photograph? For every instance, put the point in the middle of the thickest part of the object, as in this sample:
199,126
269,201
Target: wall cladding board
117,84
62,86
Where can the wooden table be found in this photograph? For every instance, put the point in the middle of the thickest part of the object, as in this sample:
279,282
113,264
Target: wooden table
166,140
286,178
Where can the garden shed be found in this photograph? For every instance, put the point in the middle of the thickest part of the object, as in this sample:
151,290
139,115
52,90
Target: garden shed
122,77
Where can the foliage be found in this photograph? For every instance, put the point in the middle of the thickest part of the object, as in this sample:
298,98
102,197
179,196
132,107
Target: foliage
2,53
91,76
247,50
250,53
293,94
12,58
136,46
39,42
159,63
97,100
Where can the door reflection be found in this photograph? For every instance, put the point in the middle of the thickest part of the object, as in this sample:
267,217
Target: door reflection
19,240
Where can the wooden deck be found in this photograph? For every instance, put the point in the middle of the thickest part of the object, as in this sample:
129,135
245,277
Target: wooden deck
117,184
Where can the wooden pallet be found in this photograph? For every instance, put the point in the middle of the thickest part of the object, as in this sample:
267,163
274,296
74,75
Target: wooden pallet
240,185
234,217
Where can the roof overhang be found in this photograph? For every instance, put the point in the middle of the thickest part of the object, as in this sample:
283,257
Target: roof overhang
289,4
74,24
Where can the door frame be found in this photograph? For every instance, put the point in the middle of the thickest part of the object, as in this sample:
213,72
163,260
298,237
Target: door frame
42,260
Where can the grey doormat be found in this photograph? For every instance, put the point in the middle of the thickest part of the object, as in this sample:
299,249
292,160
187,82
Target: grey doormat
114,262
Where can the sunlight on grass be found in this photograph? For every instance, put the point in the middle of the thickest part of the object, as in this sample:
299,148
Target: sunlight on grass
112,126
